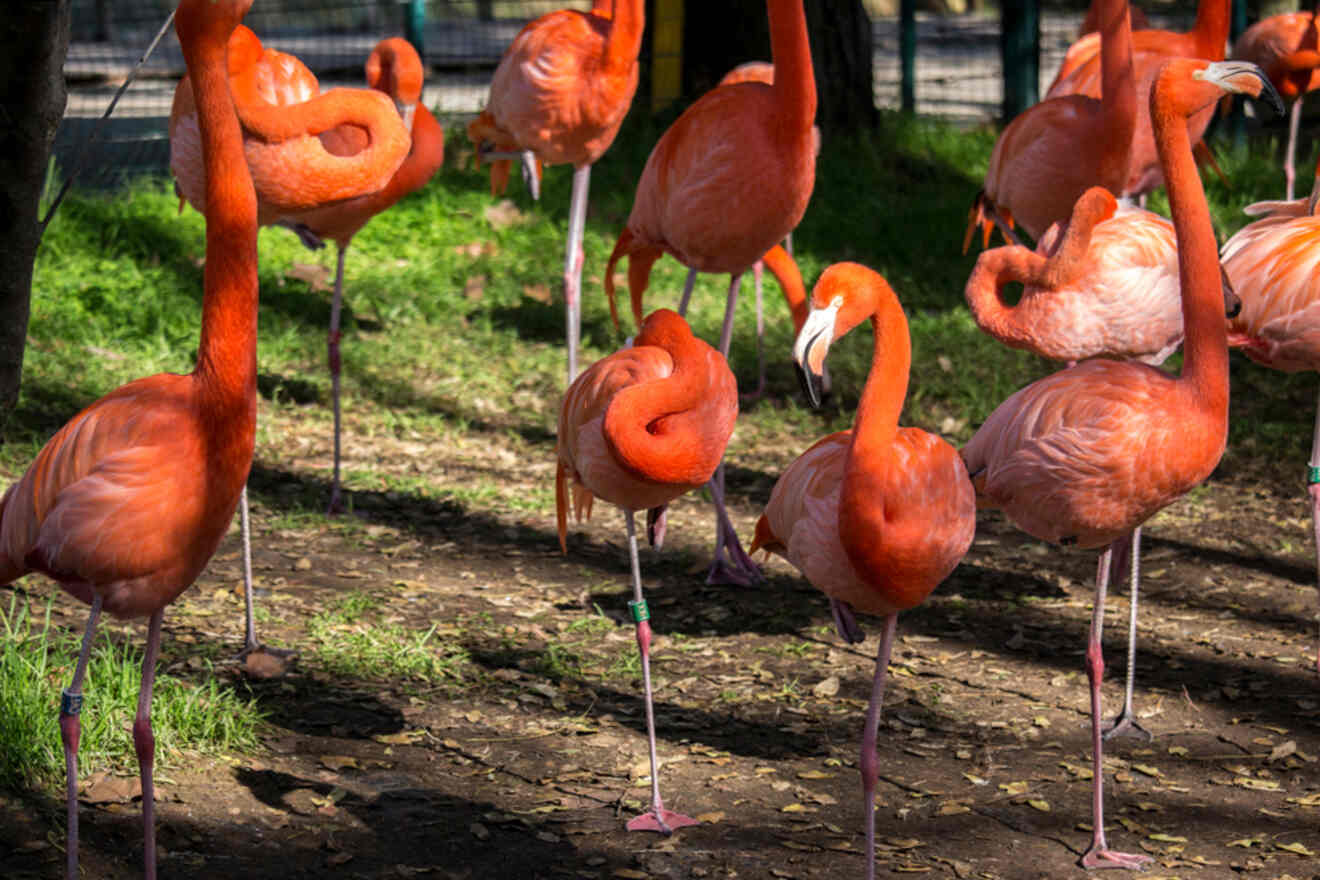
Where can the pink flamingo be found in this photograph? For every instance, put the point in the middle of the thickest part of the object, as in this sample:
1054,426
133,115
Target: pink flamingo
1274,263
560,93
640,428
877,516
1087,454
1055,151
1285,47
730,178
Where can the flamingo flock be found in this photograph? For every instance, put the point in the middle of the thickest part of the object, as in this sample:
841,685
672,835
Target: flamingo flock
126,504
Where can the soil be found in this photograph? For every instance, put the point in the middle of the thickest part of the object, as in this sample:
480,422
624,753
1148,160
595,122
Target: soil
529,758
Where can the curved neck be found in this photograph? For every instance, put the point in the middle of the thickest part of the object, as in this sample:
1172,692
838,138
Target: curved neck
1211,28
786,272
984,292
624,41
881,403
1118,87
1205,341
227,351
790,51
426,155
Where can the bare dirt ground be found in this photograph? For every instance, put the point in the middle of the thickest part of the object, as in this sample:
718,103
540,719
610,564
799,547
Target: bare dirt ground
527,758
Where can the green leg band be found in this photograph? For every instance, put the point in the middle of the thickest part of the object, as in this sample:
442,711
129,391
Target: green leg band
639,611
1312,475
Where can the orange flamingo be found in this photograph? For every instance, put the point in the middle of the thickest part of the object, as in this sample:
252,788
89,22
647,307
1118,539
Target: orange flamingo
730,178
127,502
1081,74
1274,263
640,428
1048,156
560,93
268,78
1103,285
1086,455
877,516
1285,47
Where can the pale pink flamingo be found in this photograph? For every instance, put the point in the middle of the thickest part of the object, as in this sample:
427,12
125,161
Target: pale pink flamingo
560,93
639,428
1087,454
1274,264
877,516
727,181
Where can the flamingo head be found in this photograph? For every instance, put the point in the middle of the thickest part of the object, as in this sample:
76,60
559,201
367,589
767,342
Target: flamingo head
1231,77
395,68
845,295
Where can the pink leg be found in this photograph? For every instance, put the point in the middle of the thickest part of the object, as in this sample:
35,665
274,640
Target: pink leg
577,221
868,765
688,284
250,642
845,624
144,743
332,351
70,732
757,270
1099,855
1126,724
730,306
657,818
738,569
1294,122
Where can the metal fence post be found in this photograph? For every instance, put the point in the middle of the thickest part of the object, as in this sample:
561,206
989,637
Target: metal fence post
907,53
1237,118
414,26
1019,44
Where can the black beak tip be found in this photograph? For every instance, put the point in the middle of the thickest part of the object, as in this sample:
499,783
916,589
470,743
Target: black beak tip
810,385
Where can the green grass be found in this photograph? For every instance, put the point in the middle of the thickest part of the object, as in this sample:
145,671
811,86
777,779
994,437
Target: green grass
348,639
201,716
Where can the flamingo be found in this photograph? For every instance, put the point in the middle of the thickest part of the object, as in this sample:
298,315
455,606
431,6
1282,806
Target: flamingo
125,505
560,93
640,428
1081,74
1091,23
877,516
1285,47
1103,285
1087,454
730,178
266,77
1275,264
1048,156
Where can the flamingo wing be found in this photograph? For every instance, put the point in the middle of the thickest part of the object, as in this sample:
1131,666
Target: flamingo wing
1274,266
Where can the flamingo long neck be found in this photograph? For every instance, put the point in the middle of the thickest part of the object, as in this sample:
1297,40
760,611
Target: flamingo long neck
876,423
1118,87
1205,341
227,351
625,38
1211,29
795,81
650,427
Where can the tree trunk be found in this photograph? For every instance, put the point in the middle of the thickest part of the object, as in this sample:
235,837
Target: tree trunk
719,36
34,39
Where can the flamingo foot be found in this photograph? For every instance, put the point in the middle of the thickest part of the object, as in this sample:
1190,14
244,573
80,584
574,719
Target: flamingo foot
736,570
659,819
1100,857
258,648
1126,724
309,239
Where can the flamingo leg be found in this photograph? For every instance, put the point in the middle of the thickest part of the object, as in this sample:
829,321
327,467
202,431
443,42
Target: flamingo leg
657,818
687,292
250,642
1294,123
531,177
845,624
757,271
1126,724
867,764
730,307
332,352
70,732
1313,489
144,743
577,221
738,569
1099,855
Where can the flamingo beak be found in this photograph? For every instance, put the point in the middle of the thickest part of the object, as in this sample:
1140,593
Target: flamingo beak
1243,77
812,344
1232,302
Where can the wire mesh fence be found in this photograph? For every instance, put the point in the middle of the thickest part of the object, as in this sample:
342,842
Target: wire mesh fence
959,73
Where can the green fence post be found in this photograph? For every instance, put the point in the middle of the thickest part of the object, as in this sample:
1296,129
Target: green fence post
1019,44
1237,118
907,53
414,26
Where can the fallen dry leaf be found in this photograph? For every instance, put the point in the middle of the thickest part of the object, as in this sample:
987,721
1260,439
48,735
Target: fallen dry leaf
314,275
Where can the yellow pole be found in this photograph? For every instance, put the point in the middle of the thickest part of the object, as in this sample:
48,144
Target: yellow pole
666,53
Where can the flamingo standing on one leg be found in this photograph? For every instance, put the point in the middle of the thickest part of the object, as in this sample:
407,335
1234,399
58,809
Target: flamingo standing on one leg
730,178
640,428
365,150
1285,47
1086,455
560,93
125,505
1082,74
1103,285
877,516
1274,263
1055,151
